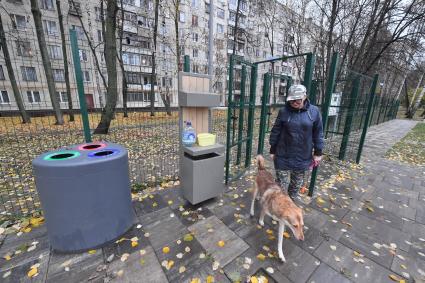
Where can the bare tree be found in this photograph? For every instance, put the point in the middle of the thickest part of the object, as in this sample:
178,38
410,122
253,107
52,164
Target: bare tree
111,67
46,61
25,117
153,74
120,60
65,61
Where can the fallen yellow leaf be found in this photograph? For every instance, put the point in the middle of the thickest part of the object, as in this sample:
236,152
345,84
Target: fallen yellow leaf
394,278
320,200
7,257
220,244
165,250
134,244
403,266
92,252
27,230
36,221
270,232
188,238
210,279
253,279
356,253
286,235
33,271
195,280
261,257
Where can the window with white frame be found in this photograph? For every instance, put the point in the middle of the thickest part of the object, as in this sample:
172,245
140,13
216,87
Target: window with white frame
220,28
83,55
58,75
33,96
86,76
182,17
133,78
24,48
55,52
4,97
47,5
220,13
146,60
50,27
2,77
232,16
144,22
28,74
62,96
19,22
195,53
131,58
130,17
195,3
195,37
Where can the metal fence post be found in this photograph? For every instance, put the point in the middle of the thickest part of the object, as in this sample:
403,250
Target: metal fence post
325,109
308,73
186,64
369,110
80,84
241,114
349,119
263,117
229,116
313,92
251,112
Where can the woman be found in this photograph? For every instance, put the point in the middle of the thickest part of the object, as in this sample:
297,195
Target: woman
296,140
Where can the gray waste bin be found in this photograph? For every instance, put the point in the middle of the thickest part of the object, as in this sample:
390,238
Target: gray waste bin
202,172
85,195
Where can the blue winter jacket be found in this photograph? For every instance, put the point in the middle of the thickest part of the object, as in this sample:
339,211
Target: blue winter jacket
294,135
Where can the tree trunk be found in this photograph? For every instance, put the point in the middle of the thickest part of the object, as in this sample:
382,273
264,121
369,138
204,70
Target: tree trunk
124,78
18,98
329,44
412,101
111,67
235,31
65,61
46,61
417,103
153,76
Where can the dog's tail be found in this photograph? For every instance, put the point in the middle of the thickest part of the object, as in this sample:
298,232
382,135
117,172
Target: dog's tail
261,163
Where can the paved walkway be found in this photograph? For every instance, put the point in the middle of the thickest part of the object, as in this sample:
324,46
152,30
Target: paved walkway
363,226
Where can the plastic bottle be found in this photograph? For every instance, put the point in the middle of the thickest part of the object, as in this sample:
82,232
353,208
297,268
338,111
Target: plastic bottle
188,135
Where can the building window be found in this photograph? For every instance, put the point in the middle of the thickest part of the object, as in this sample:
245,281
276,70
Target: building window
133,78
219,86
58,75
195,37
129,2
47,4
86,76
80,31
83,55
28,74
220,13
167,82
145,43
207,8
220,28
195,53
130,17
24,48
139,97
33,96
195,3
74,8
55,52
145,22
181,17
62,97
19,22
131,58
2,77
98,13
194,21
99,36
50,27
232,16
4,97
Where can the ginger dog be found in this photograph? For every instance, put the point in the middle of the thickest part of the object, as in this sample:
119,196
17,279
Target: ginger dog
277,204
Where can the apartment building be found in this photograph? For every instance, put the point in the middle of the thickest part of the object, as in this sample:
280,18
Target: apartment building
257,41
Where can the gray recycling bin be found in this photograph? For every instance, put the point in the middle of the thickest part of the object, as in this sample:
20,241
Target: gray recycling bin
202,172
85,195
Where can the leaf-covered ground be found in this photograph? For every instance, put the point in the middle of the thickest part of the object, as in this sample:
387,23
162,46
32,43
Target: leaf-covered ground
411,148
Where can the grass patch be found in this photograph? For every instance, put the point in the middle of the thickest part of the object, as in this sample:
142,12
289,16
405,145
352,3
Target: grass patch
411,148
